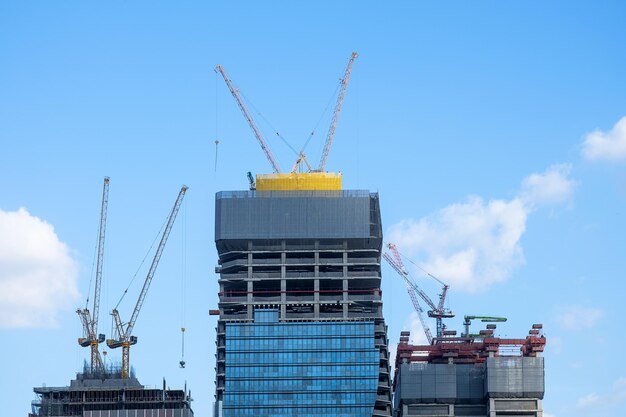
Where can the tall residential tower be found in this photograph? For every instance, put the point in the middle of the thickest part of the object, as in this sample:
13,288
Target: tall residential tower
301,329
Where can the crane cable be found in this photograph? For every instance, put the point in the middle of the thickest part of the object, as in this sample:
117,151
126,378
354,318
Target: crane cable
141,264
322,116
217,141
91,274
183,283
422,269
268,122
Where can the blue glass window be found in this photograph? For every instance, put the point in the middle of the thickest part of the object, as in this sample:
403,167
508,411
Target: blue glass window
300,369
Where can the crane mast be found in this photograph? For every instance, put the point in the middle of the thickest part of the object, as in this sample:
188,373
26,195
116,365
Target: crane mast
123,331
249,119
90,319
335,119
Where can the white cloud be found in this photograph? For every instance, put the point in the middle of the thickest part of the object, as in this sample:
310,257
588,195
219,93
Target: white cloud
37,275
474,244
610,146
577,317
552,187
556,345
607,402
588,400
413,324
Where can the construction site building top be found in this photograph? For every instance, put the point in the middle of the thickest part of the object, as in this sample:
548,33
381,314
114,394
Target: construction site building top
307,181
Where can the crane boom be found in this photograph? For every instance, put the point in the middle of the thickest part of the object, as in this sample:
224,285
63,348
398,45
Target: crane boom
99,263
124,331
410,287
402,271
90,319
249,119
467,321
156,259
335,119
438,312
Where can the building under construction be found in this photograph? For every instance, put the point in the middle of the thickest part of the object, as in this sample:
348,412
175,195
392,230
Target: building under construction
300,329
470,376
101,391
109,395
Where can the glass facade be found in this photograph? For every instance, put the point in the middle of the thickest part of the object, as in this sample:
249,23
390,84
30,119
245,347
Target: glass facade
300,368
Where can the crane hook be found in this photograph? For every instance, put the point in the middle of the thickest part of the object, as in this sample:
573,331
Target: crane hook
181,364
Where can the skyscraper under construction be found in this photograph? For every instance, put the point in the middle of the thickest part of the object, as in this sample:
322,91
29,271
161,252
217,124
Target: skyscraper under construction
300,330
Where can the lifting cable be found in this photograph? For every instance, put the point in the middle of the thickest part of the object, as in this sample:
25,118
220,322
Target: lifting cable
142,262
183,283
217,142
93,264
268,122
330,100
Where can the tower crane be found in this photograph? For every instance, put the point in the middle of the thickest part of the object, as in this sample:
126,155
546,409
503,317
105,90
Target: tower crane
335,119
88,318
437,311
123,331
249,119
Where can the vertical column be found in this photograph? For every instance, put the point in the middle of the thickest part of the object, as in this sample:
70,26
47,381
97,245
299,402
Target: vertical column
316,305
283,283
283,299
250,289
491,408
316,282
345,284
539,408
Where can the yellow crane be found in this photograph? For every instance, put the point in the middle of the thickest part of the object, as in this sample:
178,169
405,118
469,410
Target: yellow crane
88,318
123,331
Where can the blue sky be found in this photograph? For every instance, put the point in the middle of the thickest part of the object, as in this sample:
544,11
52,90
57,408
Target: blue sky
490,129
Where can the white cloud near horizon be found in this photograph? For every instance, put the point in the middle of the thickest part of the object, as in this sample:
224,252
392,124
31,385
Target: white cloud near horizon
418,337
608,146
577,317
476,243
414,325
38,277
611,400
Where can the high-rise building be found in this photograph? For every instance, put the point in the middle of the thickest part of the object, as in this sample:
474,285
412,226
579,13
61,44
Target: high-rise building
301,329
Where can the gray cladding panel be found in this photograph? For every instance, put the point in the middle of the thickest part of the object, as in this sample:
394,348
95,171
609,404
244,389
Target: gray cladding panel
292,215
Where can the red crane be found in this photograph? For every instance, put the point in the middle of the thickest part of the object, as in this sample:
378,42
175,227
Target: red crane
437,311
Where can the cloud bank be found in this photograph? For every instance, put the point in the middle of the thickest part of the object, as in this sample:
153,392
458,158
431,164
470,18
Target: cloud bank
37,274
474,244
608,146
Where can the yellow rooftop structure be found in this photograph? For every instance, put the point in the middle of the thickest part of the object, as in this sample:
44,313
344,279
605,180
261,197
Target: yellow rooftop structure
310,181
